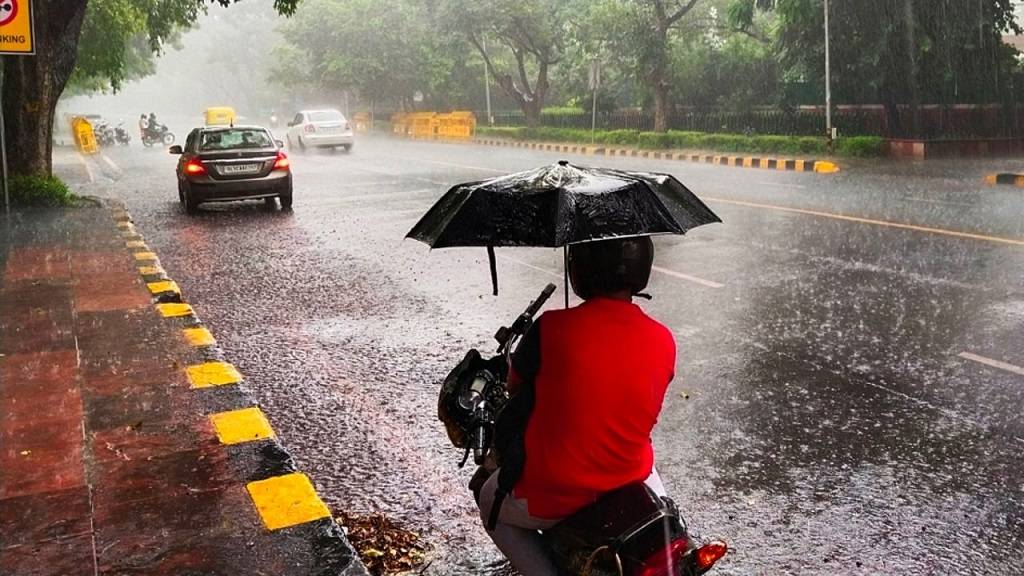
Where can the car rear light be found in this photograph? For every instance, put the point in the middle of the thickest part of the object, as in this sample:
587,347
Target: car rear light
664,561
310,128
282,162
195,167
710,553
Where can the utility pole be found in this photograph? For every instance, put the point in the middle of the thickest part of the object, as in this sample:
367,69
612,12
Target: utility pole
828,83
595,84
487,85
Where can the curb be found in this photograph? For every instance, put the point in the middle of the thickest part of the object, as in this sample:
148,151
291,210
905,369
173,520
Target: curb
781,164
283,498
1005,179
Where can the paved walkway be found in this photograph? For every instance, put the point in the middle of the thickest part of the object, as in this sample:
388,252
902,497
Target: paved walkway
127,444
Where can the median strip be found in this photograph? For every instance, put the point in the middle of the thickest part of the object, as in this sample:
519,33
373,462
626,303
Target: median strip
199,337
1005,179
244,425
210,374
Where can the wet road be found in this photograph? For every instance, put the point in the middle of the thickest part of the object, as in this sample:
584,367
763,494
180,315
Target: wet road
849,392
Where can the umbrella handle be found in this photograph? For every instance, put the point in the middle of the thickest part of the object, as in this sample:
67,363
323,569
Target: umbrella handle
565,263
494,268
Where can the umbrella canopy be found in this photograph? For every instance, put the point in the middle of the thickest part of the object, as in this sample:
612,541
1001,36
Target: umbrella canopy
558,205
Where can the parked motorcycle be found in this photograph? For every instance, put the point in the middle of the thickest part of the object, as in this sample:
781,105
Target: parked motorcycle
630,531
104,134
159,135
121,135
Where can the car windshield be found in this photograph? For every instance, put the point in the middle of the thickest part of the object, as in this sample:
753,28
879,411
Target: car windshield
326,116
233,139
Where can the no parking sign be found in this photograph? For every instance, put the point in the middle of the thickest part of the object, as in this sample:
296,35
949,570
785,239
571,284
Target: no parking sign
16,27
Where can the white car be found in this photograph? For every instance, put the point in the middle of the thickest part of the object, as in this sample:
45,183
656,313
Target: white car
320,129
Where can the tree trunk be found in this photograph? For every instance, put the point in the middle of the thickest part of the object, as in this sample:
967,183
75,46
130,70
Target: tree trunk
33,84
531,109
657,76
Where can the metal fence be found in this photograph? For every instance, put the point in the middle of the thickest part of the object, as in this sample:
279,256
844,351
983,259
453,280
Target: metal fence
932,122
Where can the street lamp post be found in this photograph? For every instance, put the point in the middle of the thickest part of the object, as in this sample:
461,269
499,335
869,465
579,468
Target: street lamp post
828,82
487,86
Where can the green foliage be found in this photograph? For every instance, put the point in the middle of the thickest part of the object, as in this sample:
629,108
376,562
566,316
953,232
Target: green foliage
861,146
39,191
120,37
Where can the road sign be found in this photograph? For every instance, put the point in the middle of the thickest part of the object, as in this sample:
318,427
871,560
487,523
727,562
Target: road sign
16,27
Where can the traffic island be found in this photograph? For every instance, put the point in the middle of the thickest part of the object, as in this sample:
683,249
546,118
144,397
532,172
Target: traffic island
1005,179
128,443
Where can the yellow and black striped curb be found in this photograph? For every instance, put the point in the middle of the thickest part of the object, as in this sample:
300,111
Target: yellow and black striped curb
782,164
283,497
1005,179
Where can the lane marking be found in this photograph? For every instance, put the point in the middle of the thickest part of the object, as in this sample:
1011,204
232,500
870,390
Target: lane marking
687,277
210,374
859,220
110,163
993,363
284,501
547,271
245,425
452,164
88,169
776,184
933,201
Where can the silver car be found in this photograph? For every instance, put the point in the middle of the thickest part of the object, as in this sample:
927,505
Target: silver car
222,163
320,129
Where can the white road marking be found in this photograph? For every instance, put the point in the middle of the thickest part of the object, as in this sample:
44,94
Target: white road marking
776,184
687,277
452,164
88,169
993,363
933,201
528,265
110,163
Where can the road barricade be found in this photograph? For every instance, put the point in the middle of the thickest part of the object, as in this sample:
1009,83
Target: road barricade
361,122
400,124
459,125
85,138
423,124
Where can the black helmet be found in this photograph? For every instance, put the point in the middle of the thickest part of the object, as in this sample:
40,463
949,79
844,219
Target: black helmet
606,266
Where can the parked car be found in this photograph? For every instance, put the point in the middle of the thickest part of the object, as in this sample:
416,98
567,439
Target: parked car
226,163
320,129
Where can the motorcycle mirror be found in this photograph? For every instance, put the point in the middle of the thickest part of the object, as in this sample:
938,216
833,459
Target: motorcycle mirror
176,149
279,143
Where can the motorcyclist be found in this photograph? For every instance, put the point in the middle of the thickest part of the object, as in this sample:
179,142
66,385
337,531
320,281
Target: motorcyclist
587,386
143,125
154,126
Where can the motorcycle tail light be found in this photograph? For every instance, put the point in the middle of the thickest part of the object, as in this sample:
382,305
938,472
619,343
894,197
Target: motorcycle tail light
195,167
710,553
664,561
310,128
282,162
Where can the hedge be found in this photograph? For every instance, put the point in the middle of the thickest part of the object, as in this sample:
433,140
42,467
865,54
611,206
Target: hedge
862,146
39,191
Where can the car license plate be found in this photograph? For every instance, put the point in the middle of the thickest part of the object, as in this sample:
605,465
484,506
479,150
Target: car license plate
240,168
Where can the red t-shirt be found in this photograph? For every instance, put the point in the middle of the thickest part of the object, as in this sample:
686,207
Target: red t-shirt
600,378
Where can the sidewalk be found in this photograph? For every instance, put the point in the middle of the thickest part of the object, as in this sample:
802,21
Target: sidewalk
127,444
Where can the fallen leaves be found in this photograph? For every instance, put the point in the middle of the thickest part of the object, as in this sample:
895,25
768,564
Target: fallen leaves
385,547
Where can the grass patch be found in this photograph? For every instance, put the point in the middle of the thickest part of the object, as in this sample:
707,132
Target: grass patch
39,191
860,146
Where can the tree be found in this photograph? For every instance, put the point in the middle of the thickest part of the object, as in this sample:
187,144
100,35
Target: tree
898,52
519,41
659,17
33,84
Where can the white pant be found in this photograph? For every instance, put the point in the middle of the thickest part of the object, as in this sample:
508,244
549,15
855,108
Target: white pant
516,534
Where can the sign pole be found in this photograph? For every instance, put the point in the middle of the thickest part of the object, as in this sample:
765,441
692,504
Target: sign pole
3,154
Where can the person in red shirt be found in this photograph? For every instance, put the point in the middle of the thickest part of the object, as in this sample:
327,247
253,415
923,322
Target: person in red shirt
587,386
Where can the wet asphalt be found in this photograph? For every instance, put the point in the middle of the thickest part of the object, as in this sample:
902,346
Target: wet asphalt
833,411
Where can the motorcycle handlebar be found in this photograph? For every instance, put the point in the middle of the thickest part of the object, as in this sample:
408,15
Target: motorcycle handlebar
535,306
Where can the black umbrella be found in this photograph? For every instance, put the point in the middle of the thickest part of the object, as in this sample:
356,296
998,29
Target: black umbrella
558,205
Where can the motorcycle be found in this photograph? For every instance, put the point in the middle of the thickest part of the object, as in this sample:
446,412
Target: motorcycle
630,531
159,135
104,134
121,135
